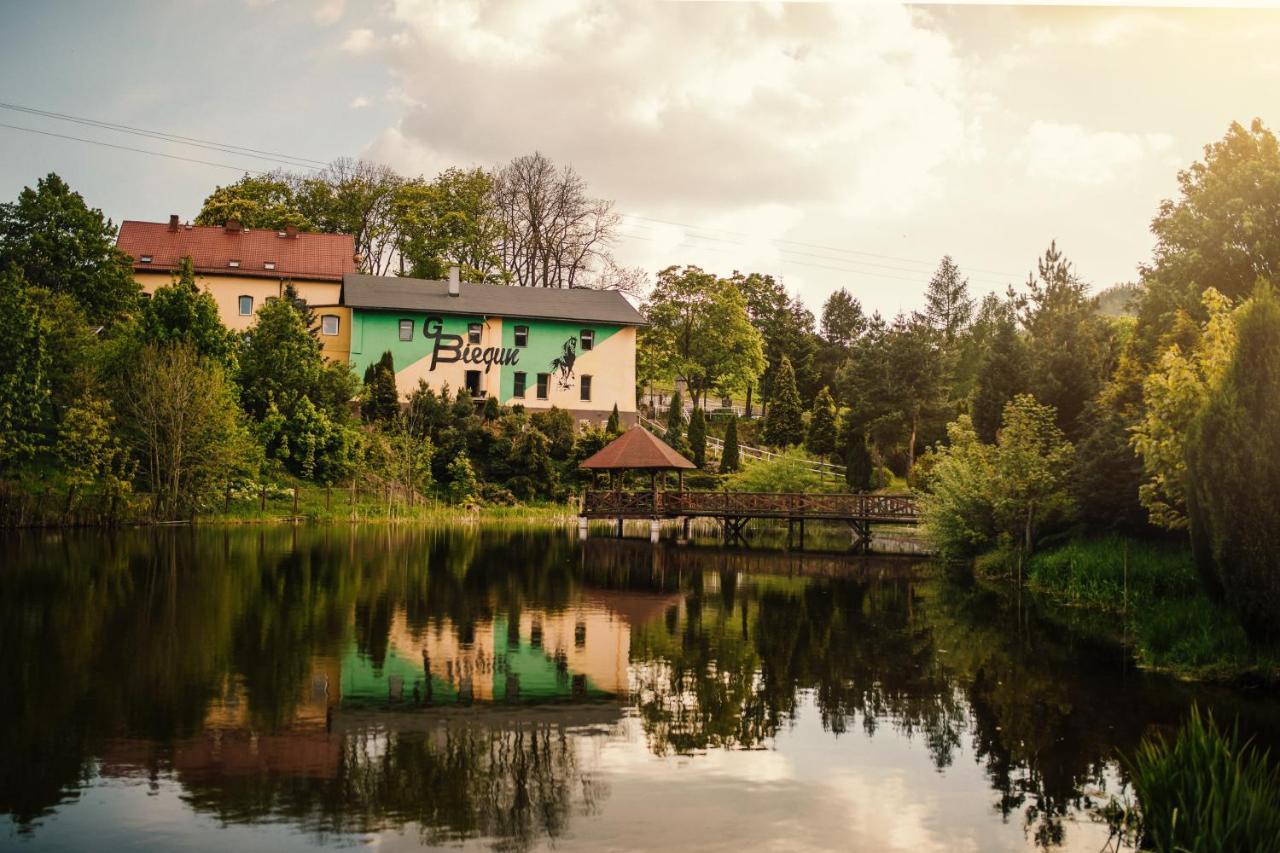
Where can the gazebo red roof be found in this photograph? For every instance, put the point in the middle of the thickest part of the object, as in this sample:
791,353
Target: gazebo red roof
634,450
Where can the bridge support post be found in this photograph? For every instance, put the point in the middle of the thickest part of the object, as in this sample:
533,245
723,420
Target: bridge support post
859,535
582,527
655,528
619,527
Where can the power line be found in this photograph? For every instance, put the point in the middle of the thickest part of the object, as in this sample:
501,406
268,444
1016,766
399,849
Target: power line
225,147
240,169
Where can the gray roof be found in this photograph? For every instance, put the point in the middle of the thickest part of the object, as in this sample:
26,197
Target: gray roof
397,293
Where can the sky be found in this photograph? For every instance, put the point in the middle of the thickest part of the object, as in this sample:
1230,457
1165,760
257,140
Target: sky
845,144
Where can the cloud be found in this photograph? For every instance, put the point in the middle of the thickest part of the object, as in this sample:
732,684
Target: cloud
1070,153
686,105
329,12
359,102
359,42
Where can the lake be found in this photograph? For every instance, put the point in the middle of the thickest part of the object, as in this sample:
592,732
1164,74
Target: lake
282,688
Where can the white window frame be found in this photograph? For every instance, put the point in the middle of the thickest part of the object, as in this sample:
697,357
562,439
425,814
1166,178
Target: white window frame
240,305
402,324
542,385
474,331
518,331
587,335
324,324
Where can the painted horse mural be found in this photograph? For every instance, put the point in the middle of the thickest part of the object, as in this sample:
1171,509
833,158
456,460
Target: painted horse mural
563,363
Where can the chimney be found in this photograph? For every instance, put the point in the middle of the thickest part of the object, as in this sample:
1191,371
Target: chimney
291,231
233,226
455,278
173,222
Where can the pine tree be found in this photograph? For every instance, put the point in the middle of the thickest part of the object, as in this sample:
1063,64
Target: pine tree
858,464
698,437
614,427
675,423
784,422
381,398
1001,377
822,424
729,458
948,305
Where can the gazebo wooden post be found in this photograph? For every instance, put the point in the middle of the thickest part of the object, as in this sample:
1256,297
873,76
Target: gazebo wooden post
680,481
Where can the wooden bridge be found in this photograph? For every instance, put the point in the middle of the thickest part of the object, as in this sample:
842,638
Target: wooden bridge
734,509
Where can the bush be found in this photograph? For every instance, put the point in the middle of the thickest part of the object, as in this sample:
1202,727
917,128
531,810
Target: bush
1207,791
790,472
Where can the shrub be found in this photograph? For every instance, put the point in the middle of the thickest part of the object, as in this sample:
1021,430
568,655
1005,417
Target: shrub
698,437
1207,791
729,461
792,471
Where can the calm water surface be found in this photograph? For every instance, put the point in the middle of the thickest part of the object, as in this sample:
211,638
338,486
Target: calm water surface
280,689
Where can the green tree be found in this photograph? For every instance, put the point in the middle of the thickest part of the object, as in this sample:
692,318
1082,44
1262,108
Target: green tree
697,329
698,437
381,399
183,425
916,380
1032,466
842,319
859,465
957,507
674,435
1233,472
1173,394
948,305
463,486
784,420
614,426
62,245
821,439
265,201
1001,377
24,370
452,220
181,312
1219,232
88,448
729,461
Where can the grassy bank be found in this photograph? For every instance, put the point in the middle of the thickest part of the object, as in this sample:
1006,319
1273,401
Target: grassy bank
1151,597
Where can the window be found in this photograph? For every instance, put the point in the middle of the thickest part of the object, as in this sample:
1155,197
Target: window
473,333
269,265
234,264
329,324
473,383
406,330
522,336
587,338
585,385
520,379
246,306
146,259
544,379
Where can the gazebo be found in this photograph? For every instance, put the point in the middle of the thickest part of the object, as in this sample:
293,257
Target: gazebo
637,449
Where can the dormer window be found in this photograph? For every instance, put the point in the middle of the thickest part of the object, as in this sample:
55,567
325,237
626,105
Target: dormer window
233,264
269,265
146,259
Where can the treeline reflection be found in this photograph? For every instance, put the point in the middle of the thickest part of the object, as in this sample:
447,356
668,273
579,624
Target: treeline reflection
350,681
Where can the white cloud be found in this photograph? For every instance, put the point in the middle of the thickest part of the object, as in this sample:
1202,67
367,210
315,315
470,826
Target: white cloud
687,105
359,102
329,11
1072,154
358,42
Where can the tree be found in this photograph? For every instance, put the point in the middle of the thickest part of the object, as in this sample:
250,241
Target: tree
957,508
729,456
463,486
184,427
265,201
62,245
948,305
381,399
784,421
614,426
859,466
786,329
842,319
916,378
355,197
553,234
821,439
1173,394
1031,468
24,369
1233,472
698,437
1218,233
453,220
1001,377
88,448
181,312
674,435
697,329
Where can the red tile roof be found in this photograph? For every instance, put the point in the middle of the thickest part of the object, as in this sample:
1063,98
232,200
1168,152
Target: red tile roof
309,256
637,448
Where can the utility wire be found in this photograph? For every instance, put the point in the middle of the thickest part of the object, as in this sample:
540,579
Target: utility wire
240,169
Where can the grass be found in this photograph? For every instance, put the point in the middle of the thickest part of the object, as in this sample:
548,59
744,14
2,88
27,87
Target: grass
1207,790
1150,592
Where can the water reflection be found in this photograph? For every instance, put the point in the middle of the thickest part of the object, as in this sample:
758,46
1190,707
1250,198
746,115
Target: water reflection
511,687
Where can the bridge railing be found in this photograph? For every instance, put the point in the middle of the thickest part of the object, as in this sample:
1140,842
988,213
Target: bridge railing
871,507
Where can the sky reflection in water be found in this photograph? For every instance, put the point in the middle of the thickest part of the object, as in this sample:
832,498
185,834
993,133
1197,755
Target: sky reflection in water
269,689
